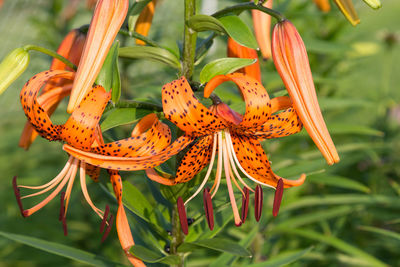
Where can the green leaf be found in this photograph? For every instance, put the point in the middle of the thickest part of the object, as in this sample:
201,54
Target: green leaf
134,13
239,31
122,116
201,23
218,244
153,257
223,66
336,243
338,181
156,54
381,231
109,76
282,259
340,128
61,250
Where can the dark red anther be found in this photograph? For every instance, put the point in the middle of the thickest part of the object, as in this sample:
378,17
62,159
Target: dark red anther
245,204
103,222
278,197
258,202
182,215
62,207
208,208
108,229
18,196
64,223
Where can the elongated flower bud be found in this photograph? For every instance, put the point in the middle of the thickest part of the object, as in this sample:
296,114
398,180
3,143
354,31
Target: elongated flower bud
13,65
262,28
237,50
347,8
291,61
144,21
106,22
375,4
323,5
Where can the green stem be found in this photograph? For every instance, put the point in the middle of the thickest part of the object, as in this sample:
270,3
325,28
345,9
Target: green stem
52,54
139,37
177,237
239,8
135,104
189,41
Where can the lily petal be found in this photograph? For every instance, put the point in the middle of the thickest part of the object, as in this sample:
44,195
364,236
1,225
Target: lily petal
183,109
106,22
323,5
237,50
262,28
143,23
258,107
291,61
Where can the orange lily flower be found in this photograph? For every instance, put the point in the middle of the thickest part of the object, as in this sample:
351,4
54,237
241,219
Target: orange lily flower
262,28
323,5
55,90
143,23
233,138
237,50
106,22
291,61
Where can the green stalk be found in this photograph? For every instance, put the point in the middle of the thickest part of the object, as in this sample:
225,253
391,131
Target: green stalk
237,9
52,54
189,41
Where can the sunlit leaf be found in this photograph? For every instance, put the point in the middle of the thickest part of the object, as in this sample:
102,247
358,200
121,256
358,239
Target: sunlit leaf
239,31
338,181
156,54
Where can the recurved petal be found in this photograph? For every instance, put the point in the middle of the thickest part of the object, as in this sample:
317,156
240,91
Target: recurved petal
195,160
79,130
262,29
253,159
106,22
130,163
36,114
183,109
258,106
291,61
347,8
149,137
237,50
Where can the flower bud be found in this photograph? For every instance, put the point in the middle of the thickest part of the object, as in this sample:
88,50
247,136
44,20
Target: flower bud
375,4
347,8
14,64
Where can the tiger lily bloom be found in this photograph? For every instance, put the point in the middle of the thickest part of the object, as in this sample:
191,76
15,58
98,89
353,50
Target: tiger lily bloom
82,132
347,8
106,22
323,5
229,137
291,61
55,90
262,28
143,23
237,50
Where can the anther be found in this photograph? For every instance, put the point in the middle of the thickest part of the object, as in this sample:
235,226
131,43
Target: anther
62,207
245,204
258,202
103,222
208,208
18,197
182,216
278,197
108,229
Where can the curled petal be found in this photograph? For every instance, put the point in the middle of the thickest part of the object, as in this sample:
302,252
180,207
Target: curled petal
143,23
291,61
106,22
237,50
258,106
130,163
183,109
262,29
79,130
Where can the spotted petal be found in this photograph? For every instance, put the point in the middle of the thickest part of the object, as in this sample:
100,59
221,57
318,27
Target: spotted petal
183,109
258,106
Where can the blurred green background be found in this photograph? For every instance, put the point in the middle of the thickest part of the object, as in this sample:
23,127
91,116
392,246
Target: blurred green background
347,214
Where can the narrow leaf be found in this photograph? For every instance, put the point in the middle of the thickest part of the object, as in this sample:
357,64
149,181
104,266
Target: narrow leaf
122,116
156,54
153,257
201,23
218,244
338,181
381,232
283,259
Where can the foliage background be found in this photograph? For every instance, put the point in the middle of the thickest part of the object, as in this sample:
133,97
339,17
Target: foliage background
358,79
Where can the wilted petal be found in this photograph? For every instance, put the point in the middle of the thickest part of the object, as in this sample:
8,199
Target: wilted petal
291,61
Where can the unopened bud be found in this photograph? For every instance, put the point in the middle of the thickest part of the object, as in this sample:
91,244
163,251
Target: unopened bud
13,65
375,4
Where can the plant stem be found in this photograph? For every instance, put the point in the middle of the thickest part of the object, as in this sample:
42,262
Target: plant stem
189,41
177,237
52,54
135,104
237,9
